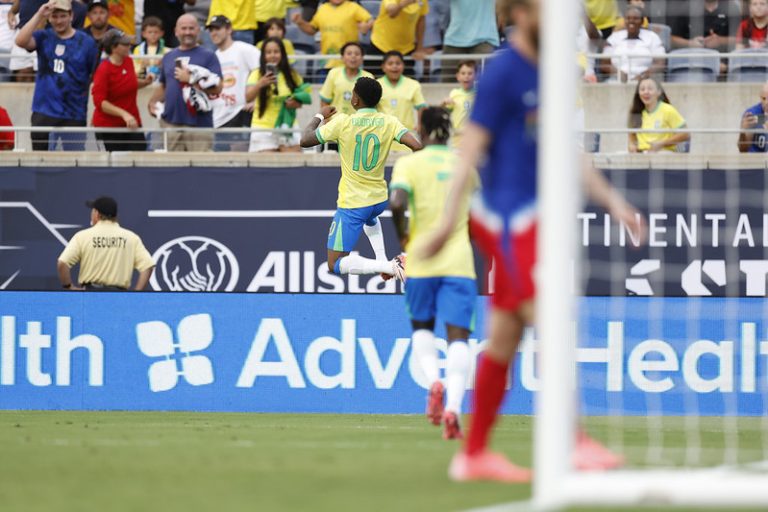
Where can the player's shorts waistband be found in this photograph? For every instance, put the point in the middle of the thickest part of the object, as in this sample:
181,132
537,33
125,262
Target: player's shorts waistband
518,221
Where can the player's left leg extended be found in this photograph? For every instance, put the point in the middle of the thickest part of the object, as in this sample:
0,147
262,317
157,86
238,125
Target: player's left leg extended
343,236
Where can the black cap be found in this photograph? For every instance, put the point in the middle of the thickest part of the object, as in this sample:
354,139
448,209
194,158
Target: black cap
104,205
97,3
219,21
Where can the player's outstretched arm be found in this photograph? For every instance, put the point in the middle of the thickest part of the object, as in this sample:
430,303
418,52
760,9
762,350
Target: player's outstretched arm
398,203
609,198
474,145
309,135
412,141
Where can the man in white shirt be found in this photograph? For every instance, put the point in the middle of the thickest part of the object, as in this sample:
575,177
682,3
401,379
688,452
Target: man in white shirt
230,109
635,52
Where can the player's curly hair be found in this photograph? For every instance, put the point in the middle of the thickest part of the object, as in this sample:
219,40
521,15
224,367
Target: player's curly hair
436,123
368,90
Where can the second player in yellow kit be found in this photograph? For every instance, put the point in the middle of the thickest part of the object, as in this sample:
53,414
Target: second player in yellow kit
364,139
443,285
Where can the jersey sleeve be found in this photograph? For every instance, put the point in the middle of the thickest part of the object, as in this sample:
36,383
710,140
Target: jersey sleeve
418,97
326,91
39,36
331,130
401,176
252,57
71,253
674,119
492,91
317,19
361,14
99,89
424,8
398,128
253,77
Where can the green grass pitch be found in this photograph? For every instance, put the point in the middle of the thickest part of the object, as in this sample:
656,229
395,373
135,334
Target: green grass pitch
162,461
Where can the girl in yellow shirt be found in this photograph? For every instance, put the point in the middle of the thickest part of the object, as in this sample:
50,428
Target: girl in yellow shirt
401,96
278,91
651,110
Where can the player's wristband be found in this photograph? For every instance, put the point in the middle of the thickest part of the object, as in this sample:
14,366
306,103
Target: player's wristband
320,116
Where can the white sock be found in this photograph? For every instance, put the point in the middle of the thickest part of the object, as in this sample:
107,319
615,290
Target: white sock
425,352
456,374
376,237
356,264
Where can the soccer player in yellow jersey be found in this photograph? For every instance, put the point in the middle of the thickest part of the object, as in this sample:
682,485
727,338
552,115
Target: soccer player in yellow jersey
401,96
460,100
444,284
365,139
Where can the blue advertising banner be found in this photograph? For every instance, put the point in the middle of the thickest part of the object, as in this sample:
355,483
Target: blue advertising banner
351,354
265,230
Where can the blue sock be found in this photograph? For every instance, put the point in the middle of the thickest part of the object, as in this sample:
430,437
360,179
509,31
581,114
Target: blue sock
337,267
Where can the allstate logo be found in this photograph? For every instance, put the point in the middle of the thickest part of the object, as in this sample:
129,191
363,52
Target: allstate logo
194,264
194,334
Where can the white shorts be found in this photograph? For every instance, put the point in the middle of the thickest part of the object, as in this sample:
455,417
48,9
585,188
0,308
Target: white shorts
22,59
268,141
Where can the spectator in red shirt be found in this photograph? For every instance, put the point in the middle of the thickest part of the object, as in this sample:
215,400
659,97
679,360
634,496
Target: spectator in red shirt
115,86
6,138
753,31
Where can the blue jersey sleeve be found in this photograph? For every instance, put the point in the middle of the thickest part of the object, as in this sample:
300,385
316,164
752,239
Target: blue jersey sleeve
490,107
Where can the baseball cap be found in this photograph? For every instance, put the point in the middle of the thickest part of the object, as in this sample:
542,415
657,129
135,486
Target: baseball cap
97,3
219,21
104,205
113,37
62,5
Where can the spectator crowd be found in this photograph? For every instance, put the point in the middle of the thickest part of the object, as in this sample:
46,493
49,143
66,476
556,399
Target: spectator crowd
243,66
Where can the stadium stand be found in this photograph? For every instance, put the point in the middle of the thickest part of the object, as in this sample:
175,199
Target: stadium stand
749,65
693,65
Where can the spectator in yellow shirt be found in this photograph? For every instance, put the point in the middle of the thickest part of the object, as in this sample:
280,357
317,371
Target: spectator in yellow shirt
276,28
242,13
651,110
400,27
339,22
401,96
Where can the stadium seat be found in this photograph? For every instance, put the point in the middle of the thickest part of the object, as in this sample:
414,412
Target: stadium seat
372,6
695,65
664,32
300,40
750,65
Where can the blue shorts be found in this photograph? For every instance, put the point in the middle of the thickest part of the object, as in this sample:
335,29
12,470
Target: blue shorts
450,298
348,223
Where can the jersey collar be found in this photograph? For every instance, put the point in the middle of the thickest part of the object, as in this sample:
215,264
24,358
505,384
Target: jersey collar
367,110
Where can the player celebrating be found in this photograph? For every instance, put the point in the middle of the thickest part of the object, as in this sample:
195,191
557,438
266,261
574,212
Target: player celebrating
501,133
444,284
365,139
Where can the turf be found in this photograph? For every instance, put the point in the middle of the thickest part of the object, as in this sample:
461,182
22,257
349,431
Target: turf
140,461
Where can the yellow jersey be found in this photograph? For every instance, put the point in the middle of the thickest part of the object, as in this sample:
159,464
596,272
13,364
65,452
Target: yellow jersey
398,33
460,110
242,13
338,25
337,89
427,176
603,13
401,99
365,139
276,100
663,116
107,254
265,9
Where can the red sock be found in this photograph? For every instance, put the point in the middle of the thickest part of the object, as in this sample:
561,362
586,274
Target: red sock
489,392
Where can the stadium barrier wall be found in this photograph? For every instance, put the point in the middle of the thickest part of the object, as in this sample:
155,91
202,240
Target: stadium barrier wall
264,229
349,354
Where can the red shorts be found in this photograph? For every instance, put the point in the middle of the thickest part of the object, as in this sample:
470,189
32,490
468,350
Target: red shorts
513,270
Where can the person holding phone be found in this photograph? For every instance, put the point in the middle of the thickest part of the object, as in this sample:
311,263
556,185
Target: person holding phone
755,118
277,90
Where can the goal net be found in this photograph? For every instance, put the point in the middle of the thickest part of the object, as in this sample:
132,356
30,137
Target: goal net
665,340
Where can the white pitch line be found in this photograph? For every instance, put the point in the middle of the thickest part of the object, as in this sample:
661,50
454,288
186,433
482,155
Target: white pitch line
513,506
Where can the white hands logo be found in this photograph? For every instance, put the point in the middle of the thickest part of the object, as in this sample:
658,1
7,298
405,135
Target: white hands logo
194,263
155,339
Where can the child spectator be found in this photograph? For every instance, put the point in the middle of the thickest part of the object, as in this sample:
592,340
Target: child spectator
6,138
278,91
152,44
275,27
338,85
400,95
651,110
339,22
753,31
114,92
460,100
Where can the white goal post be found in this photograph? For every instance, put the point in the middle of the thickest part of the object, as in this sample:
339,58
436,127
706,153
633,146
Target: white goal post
556,483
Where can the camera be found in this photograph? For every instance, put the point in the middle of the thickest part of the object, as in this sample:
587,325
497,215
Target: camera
271,68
